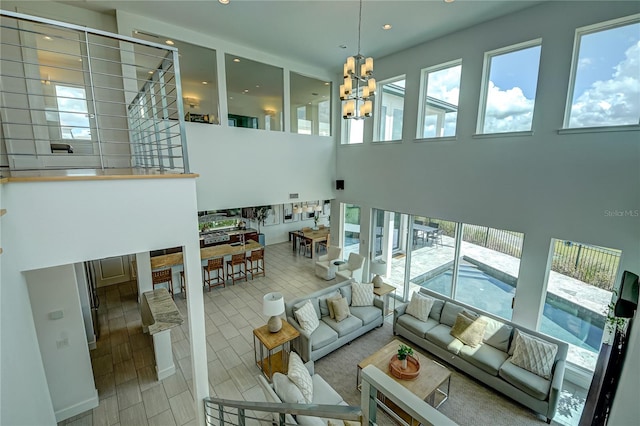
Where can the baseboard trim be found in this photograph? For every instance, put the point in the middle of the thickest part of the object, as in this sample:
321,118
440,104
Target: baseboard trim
169,371
80,407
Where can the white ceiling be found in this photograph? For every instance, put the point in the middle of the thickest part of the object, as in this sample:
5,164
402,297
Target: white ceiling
311,31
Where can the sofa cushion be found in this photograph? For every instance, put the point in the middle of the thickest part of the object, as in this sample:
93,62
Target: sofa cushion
420,306
436,309
414,325
340,309
534,355
346,293
344,327
449,314
468,330
322,336
484,357
524,380
298,374
441,337
306,316
361,294
367,314
286,390
325,310
497,334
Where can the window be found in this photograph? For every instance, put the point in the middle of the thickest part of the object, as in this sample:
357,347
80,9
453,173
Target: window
352,131
73,113
310,105
579,289
255,94
509,90
391,110
439,105
605,85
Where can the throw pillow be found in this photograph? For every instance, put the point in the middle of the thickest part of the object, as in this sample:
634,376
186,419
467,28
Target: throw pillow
324,306
341,309
534,355
361,294
420,306
330,301
299,375
469,331
307,317
286,390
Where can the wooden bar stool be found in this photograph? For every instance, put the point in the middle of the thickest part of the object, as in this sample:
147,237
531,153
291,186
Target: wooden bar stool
255,263
236,260
162,276
183,285
215,264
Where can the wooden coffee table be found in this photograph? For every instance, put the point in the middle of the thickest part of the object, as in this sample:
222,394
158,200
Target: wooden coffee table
426,386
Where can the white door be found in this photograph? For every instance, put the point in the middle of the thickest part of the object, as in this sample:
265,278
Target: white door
112,270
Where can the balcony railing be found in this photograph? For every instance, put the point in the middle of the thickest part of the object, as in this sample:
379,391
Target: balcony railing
78,98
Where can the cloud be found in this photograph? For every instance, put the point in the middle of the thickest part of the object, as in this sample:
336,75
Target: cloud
445,84
507,110
612,102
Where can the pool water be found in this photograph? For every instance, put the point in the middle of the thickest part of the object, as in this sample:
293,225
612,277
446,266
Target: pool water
478,289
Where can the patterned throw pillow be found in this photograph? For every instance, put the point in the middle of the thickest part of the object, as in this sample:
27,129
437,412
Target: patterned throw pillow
307,317
361,294
341,309
468,330
299,375
534,355
420,306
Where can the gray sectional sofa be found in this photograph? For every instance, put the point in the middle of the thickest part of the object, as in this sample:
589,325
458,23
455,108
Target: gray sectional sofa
330,335
489,362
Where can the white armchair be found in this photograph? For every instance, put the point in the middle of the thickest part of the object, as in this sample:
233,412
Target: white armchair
352,269
323,265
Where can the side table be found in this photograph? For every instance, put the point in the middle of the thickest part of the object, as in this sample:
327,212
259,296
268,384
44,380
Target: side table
333,268
383,292
273,361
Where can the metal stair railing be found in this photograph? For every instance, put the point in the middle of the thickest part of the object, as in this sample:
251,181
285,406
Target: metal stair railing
219,412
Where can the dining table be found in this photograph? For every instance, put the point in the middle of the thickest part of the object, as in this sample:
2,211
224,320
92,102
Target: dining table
425,231
313,237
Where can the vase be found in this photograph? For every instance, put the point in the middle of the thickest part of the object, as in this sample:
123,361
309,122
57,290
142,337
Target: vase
404,364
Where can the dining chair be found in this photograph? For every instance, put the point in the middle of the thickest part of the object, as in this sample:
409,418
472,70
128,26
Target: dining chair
324,244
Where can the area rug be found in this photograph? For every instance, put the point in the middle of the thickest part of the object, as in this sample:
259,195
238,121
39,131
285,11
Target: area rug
469,403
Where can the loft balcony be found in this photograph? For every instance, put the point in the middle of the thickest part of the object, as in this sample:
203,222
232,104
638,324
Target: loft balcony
79,102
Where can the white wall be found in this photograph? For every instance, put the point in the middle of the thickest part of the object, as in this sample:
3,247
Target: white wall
545,185
60,223
63,343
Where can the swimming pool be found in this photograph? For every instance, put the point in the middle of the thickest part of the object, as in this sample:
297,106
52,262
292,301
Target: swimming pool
479,289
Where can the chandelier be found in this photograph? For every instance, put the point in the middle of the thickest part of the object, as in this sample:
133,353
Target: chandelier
359,85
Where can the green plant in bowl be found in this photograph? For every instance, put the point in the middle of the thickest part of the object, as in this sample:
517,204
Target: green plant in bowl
404,351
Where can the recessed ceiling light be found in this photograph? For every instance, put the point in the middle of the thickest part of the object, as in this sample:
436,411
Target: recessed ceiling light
205,82
170,42
80,60
150,72
246,90
236,60
231,97
449,1
386,27
47,38
326,83
223,1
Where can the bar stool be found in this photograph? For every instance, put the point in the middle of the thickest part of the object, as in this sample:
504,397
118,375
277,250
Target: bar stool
212,265
255,263
162,276
237,260
183,285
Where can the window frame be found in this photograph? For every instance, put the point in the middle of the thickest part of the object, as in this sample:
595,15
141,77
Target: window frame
424,86
378,108
484,88
586,30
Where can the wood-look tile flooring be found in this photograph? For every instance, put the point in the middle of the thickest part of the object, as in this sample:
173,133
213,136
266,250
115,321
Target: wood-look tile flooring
123,362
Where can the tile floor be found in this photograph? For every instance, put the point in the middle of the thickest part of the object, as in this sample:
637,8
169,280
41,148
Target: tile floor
123,362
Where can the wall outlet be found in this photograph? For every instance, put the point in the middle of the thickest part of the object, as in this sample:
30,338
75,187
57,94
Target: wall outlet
56,315
62,343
